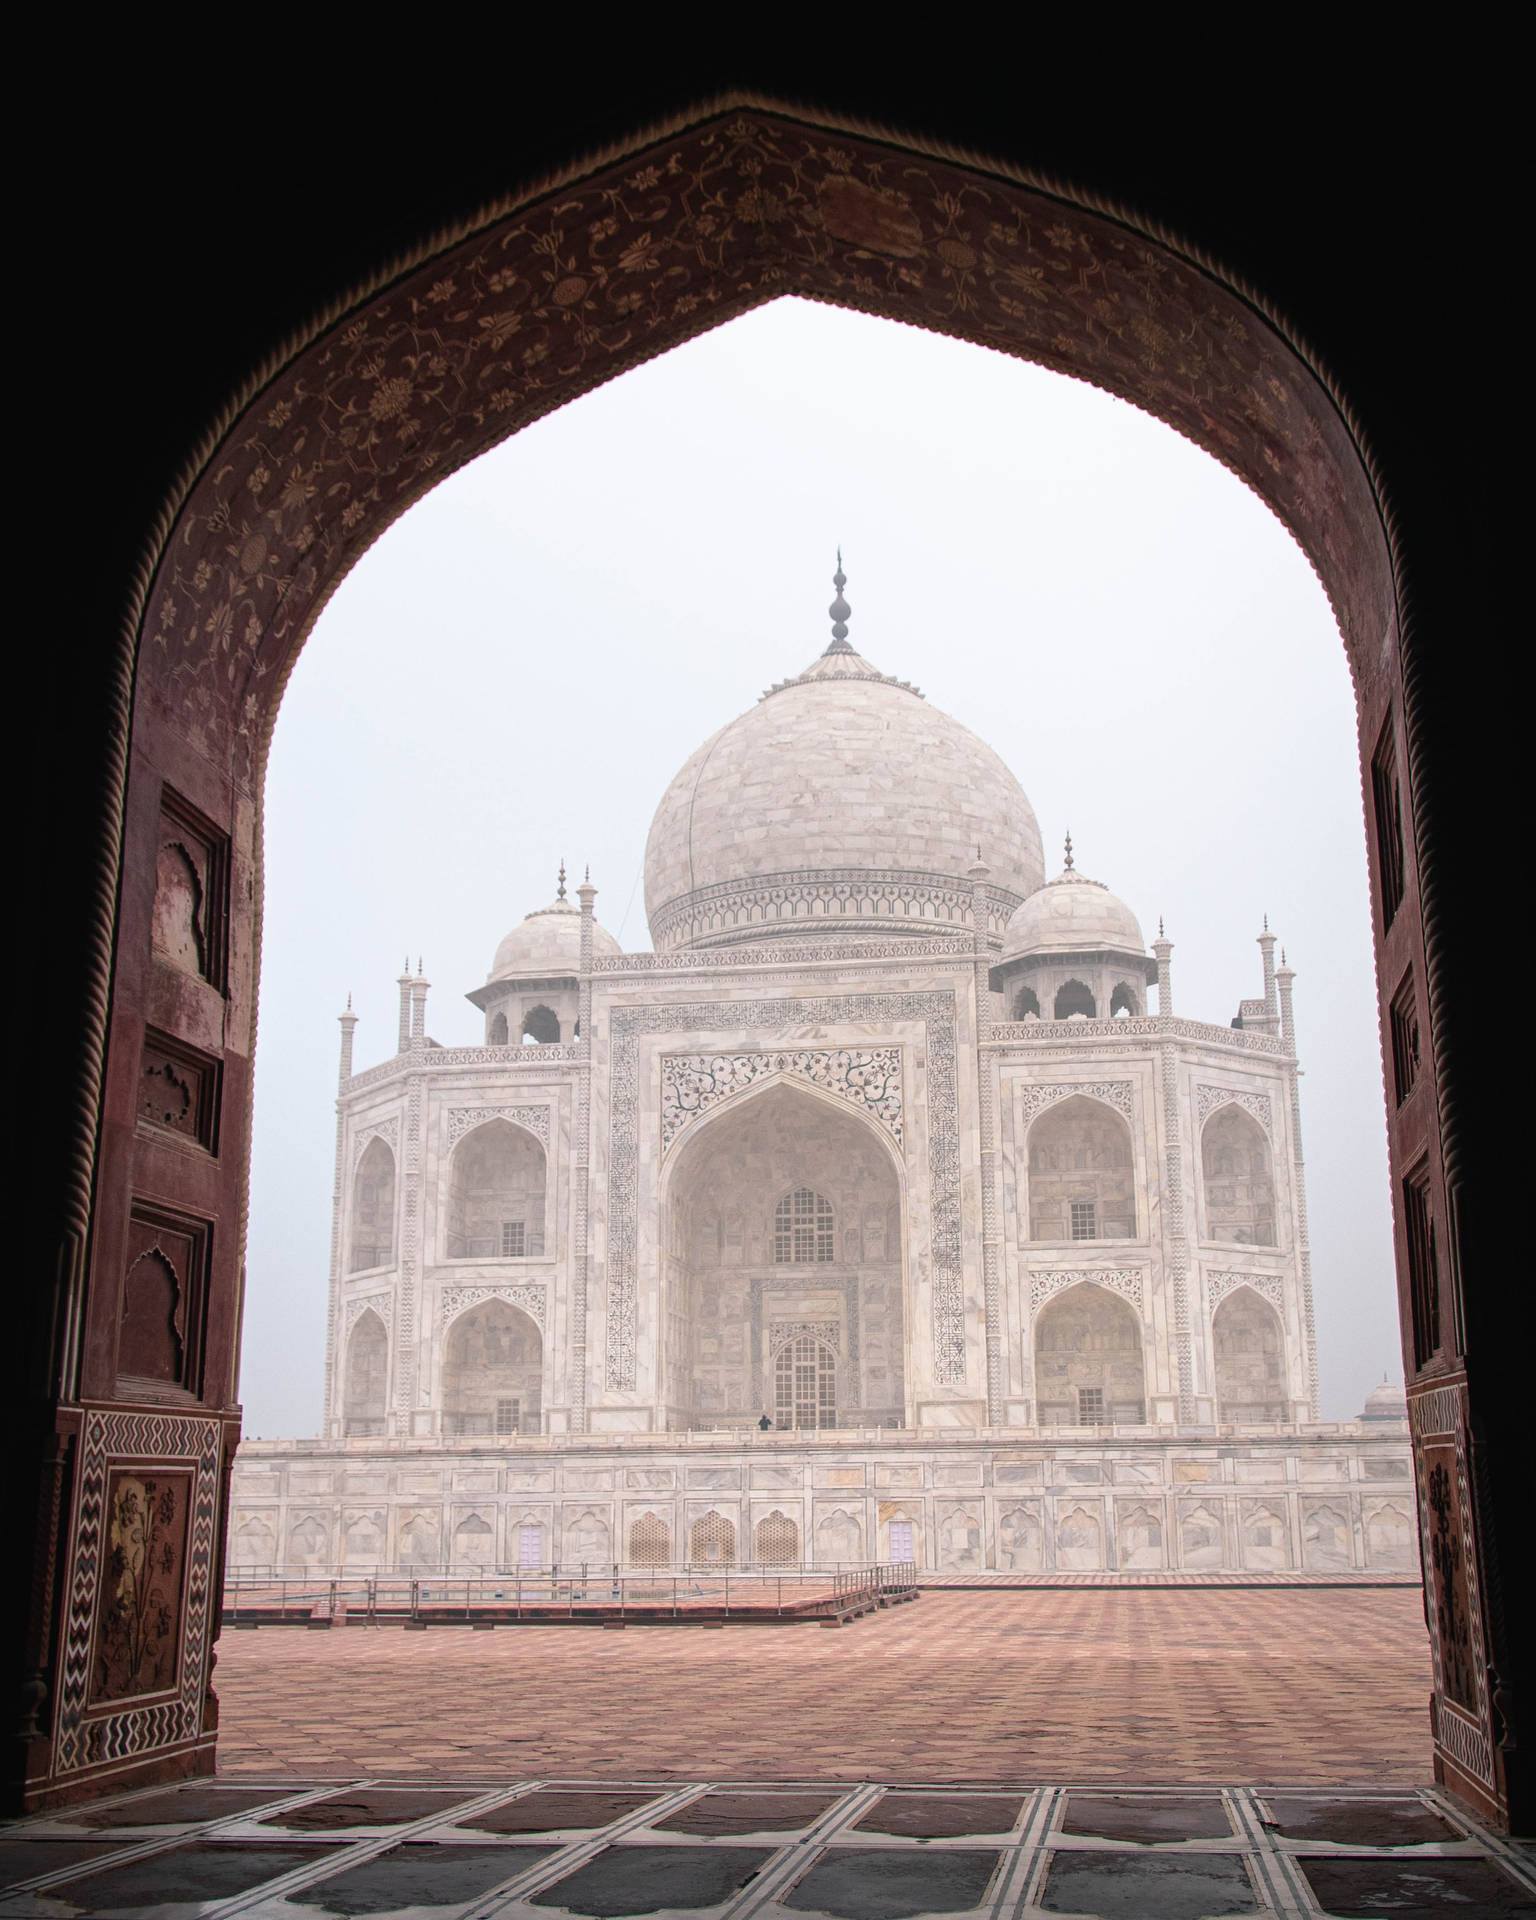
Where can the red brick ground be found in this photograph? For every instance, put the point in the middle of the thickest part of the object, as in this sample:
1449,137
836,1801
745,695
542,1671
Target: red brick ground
1324,1687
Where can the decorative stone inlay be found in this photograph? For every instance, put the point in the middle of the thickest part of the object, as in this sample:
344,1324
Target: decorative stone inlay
1033,1101
354,1310
868,1077
1148,1026
462,1120
1208,1099
386,1130
435,1059
780,954
1267,1285
733,911
528,1296
937,1013
782,1332
152,1445
1126,1281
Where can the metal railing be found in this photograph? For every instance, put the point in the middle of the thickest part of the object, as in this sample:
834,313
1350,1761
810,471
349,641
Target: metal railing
585,1594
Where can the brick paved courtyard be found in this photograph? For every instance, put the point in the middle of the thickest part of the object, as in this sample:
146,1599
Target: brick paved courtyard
1317,1687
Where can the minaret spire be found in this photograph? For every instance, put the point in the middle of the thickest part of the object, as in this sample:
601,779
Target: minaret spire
560,887
1069,850
840,611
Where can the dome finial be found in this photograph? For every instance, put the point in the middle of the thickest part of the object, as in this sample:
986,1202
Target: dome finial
560,887
1069,849
839,610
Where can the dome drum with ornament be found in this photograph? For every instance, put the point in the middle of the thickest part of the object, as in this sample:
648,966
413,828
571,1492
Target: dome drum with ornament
878,1166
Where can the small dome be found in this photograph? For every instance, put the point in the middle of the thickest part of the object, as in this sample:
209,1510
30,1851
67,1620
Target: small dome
1072,914
1385,1402
547,945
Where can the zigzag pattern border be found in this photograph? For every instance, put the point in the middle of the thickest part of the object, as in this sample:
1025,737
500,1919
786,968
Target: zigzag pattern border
118,1438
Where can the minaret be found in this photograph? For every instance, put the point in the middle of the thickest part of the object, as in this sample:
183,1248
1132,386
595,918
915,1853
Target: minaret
1162,947
1267,948
981,927
348,1023
404,984
1283,979
840,611
419,987
581,1145
333,1329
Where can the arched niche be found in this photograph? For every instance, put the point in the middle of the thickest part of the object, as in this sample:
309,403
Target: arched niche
373,1209
650,1541
1248,1346
496,1195
493,1372
1124,1001
1026,1003
1238,1178
712,1541
541,1027
1081,1173
776,1541
366,1387
731,1300
1089,1360
1074,997
496,1032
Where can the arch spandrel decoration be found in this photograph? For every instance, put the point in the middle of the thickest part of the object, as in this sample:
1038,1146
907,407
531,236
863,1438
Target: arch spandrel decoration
462,1120
1266,1285
530,1298
1033,1100
869,1078
1209,1100
1128,1282
386,1130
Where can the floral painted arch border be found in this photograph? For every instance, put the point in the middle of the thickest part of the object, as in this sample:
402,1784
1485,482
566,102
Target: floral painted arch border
504,322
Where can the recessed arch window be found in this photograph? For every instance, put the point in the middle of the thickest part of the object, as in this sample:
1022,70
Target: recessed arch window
1081,1173
496,1195
498,1033
1239,1179
1089,1360
1250,1359
373,1208
1074,997
803,1229
805,1384
367,1376
1124,1000
493,1371
776,1541
1026,1003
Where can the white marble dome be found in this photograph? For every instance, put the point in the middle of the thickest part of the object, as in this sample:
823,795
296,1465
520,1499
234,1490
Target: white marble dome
547,944
1385,1402
1072,914
820,802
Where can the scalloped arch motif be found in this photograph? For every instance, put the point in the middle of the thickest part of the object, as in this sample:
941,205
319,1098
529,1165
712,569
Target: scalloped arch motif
502,324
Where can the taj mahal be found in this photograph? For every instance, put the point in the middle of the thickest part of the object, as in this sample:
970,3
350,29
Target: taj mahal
878,1213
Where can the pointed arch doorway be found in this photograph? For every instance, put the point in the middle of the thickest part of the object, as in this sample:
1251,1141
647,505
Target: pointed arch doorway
351,423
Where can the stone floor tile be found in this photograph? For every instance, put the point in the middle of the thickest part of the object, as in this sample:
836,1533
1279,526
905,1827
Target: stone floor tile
634,1880
1415,1889
873,1883
1141,1886
193,1873
417,1874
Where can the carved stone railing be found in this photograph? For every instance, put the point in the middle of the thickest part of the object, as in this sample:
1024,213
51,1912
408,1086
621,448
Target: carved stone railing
1143,1027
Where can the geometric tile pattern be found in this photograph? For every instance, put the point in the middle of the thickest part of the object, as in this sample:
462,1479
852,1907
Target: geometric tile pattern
525,1850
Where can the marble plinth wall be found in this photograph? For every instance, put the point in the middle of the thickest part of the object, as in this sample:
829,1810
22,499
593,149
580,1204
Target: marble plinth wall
1336,1499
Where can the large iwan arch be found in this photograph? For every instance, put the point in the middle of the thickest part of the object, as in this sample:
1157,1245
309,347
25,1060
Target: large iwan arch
416,373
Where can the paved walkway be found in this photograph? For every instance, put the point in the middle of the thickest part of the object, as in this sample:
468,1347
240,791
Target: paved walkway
1136,1687
524,1850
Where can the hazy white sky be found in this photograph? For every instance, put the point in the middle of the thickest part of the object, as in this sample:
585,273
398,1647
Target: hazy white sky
522,663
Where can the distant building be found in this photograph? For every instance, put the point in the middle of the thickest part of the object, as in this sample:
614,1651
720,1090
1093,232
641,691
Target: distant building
882,1141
